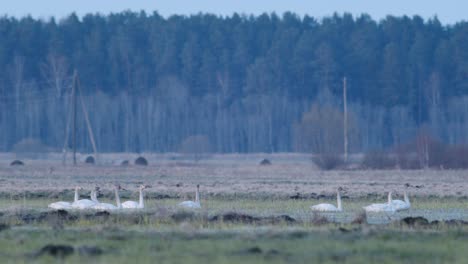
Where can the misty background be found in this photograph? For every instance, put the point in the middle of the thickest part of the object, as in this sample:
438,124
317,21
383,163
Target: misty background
238,83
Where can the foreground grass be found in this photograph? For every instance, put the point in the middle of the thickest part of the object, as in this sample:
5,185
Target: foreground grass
154,235
432,208
250,245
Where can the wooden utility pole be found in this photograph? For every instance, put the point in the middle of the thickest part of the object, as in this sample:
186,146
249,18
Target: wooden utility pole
72,112
88,123
345,121
74,100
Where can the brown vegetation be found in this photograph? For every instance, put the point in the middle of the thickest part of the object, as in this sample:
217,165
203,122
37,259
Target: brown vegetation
421,153
328,161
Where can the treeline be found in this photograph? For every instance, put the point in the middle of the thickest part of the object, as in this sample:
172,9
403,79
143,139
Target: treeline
247,83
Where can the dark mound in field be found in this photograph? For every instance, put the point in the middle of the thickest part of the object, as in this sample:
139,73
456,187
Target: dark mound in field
183,216
141,161
283,218
90,160
265,162
423,222
158,196
319,220
248,219
90,251
4,227
455,222
235,217
62,251
254,250
51,216
17,163
415,221
58,251
297,196
100,215
125,163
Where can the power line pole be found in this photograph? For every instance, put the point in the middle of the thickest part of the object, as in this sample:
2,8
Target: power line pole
88,123
74,99
67,131
345,121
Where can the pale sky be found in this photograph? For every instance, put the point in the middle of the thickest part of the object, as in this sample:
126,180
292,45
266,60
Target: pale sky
448,11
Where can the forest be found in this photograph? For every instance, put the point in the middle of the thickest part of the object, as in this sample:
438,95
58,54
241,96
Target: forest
240,83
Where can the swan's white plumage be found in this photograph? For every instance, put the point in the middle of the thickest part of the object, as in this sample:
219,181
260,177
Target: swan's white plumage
86,203
192,204
104,206
64,205
400,205
133,204
83,204
381,207
108,206
60,205
324,207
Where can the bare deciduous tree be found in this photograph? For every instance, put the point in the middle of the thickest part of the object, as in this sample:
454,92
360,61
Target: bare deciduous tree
55,71
196,147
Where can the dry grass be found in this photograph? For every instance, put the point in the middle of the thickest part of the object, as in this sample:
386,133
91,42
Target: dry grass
228,175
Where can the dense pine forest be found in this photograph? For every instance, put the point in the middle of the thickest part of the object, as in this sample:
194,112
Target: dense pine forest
268,83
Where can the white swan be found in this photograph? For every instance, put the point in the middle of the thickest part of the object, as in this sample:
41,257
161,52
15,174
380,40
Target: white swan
86,203
133,204
381,207
324,207
192,204
64,205
401,205
108,206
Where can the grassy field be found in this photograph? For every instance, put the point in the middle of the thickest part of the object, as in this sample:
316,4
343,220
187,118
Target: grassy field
250,214
256,232
248,245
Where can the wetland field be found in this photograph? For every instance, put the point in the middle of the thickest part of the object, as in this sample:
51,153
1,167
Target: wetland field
250,213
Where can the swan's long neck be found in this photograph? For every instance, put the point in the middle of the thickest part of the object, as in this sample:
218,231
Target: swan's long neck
406,199
338,201
94,196
141,203
76,195
197,196
389,197
117,198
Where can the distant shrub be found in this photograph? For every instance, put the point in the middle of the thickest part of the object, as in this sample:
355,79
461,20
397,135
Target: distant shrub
378,160
408,161
420,153
456,157
265,162
30,148
17,163
124,163
328,161
141,161
196,147
90,160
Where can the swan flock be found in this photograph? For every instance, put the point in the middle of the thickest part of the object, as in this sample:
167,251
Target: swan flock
391,206
93,202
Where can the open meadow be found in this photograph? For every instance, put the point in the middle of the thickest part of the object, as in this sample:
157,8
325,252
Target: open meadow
250,213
